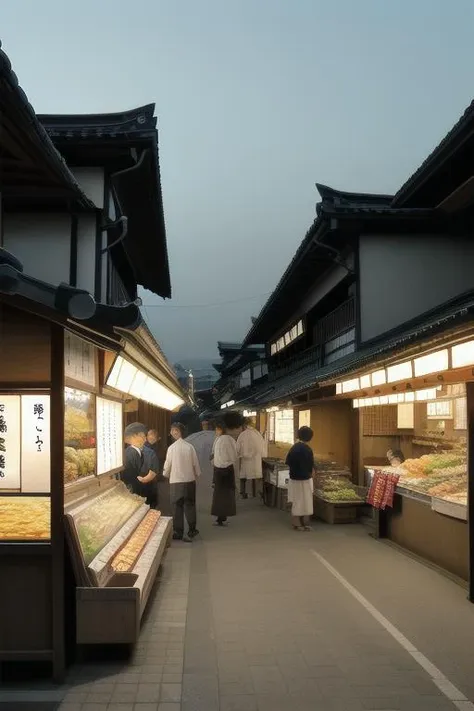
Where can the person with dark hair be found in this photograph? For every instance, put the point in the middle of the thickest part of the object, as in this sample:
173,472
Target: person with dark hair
226,461
135,437
300,460
397,458
182,469
151,466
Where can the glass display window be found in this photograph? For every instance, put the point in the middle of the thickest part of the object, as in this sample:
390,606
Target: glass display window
80,453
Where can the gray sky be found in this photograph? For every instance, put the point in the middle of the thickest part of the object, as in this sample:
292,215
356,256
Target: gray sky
257,100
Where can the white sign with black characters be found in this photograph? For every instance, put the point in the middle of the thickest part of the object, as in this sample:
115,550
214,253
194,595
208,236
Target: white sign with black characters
109,435
10,442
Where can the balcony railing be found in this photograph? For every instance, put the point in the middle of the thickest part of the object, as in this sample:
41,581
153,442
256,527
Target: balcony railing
307,357
335,323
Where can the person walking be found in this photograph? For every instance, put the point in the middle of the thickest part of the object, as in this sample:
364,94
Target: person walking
251,449
183,470
300,460
203,443
226,463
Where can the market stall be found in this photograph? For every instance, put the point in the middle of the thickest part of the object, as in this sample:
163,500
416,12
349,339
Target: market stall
416,430
61,448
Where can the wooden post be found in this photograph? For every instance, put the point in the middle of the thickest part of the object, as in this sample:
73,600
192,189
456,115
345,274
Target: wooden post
470,485
57,500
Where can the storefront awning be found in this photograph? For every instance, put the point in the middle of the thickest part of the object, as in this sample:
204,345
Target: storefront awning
130,380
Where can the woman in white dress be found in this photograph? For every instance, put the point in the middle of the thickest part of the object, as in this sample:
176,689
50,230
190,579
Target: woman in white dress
300,460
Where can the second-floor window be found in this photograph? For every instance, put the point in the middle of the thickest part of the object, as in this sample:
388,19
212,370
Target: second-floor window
245,378
291,335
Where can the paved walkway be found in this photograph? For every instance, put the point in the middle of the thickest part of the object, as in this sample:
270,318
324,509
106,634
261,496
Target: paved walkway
256,617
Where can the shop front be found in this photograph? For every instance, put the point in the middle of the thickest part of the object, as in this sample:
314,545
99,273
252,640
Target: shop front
62,416
415,418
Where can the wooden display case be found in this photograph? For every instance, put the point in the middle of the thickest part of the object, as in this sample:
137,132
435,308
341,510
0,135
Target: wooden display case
110,604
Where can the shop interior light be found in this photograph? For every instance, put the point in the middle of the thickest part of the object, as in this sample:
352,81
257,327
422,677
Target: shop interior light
400,397
375,401
384,399
350,385
462,354
400,371
369,401
130,380
355,404
338,388
365,381
409,397
429,394
379,378
431,363
393,399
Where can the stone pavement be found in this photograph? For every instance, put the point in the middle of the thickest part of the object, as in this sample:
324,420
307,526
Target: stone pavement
248,618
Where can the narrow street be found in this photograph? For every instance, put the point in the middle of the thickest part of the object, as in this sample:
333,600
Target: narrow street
257,617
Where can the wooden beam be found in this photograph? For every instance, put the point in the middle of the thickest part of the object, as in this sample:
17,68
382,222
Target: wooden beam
57,501
470,485
460,198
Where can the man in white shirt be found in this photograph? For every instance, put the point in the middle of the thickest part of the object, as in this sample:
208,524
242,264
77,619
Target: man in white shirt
182,469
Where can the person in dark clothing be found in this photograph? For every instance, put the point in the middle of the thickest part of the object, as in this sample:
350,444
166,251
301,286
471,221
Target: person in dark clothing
135,437
226,461
151,463
300,460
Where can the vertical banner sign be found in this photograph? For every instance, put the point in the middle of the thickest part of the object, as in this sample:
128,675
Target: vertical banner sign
35,444
109,435
79,359
10,445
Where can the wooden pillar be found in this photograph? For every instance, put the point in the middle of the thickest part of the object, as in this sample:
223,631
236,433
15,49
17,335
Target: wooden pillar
57,500
470,484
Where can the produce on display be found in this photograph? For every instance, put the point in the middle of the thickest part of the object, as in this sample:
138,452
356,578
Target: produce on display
337,490
99,522
126,558
25,518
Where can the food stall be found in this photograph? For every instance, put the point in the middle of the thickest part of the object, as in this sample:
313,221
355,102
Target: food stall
418,412
61,448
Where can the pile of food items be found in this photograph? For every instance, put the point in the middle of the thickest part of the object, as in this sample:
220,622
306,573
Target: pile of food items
337,489
25,518
78,463
103,517
443,474
126,558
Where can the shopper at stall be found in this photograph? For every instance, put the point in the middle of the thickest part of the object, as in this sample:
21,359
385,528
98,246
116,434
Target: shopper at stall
397,458
150,473
300,460
182,469
226,463
132,475
251,450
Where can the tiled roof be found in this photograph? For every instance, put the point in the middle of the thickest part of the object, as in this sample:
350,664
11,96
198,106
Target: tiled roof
85,126
36,130
465,124
310,376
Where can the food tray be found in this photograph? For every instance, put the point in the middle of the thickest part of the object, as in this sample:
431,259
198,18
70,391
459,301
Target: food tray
449,508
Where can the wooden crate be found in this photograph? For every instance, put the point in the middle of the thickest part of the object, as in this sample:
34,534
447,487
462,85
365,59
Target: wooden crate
335,513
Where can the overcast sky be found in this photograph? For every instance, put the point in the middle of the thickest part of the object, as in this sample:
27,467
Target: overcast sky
257,100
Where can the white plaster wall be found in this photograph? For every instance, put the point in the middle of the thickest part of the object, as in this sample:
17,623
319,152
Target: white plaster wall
42,242
91,181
